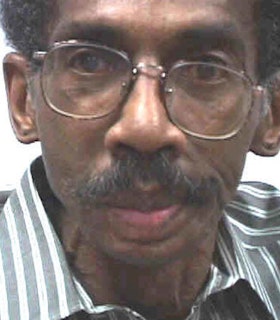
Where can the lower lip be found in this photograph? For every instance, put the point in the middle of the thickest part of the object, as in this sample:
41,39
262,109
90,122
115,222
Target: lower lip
154,218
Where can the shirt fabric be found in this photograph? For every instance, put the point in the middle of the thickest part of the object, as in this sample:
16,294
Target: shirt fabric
244,283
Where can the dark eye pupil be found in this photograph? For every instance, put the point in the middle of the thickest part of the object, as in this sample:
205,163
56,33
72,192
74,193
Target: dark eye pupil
89,62
206,72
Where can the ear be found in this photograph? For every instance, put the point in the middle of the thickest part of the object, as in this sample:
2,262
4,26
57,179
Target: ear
267,137
22,113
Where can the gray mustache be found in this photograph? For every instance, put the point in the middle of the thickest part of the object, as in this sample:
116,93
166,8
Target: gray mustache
148,169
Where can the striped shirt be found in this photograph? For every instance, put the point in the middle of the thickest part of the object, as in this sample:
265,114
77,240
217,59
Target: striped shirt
37,283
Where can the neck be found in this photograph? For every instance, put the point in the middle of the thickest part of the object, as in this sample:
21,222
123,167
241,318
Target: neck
165,292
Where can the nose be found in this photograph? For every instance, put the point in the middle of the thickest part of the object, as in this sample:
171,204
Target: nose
144,125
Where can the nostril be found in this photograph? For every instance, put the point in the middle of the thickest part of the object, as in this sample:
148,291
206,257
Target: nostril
123,152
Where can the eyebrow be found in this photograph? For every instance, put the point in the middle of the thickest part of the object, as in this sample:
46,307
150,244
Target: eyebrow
98,32
214,35
204,35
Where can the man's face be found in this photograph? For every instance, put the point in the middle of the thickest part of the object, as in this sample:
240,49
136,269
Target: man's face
140,189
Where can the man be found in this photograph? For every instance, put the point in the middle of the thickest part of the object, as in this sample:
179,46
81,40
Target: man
145,111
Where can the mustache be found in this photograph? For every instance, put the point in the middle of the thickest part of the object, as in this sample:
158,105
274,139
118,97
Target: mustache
126,173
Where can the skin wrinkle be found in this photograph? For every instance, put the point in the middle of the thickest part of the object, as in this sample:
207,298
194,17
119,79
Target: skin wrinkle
61,29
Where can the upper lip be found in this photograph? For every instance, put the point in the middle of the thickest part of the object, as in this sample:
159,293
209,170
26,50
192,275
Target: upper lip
140,201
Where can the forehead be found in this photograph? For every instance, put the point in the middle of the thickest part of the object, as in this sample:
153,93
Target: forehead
146,21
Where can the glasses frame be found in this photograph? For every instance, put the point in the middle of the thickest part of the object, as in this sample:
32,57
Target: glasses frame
151,70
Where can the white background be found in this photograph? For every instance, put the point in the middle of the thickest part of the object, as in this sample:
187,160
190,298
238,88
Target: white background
15,157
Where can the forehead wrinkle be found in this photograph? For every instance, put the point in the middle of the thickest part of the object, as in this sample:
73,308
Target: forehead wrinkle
150,9
164,20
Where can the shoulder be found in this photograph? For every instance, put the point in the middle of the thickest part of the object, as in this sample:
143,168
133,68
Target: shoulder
255,200
4,194
255,213
258,197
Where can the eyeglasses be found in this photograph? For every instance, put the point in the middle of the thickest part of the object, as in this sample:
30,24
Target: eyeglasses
89,81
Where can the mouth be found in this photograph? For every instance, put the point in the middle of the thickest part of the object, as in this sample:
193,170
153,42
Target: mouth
149,219
142,210
146,216
145,219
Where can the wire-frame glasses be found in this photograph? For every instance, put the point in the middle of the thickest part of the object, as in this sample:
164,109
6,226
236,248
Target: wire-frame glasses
89,81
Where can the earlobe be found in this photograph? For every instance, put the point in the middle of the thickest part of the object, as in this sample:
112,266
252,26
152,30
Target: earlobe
22,114
266,141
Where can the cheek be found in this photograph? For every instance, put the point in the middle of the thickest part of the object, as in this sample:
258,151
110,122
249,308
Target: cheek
71,149
229,161
227,157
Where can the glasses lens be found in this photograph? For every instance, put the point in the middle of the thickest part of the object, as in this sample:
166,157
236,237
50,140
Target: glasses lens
208,100
85,80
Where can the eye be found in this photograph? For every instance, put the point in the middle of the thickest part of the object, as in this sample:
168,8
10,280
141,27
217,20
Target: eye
208,73
91,62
